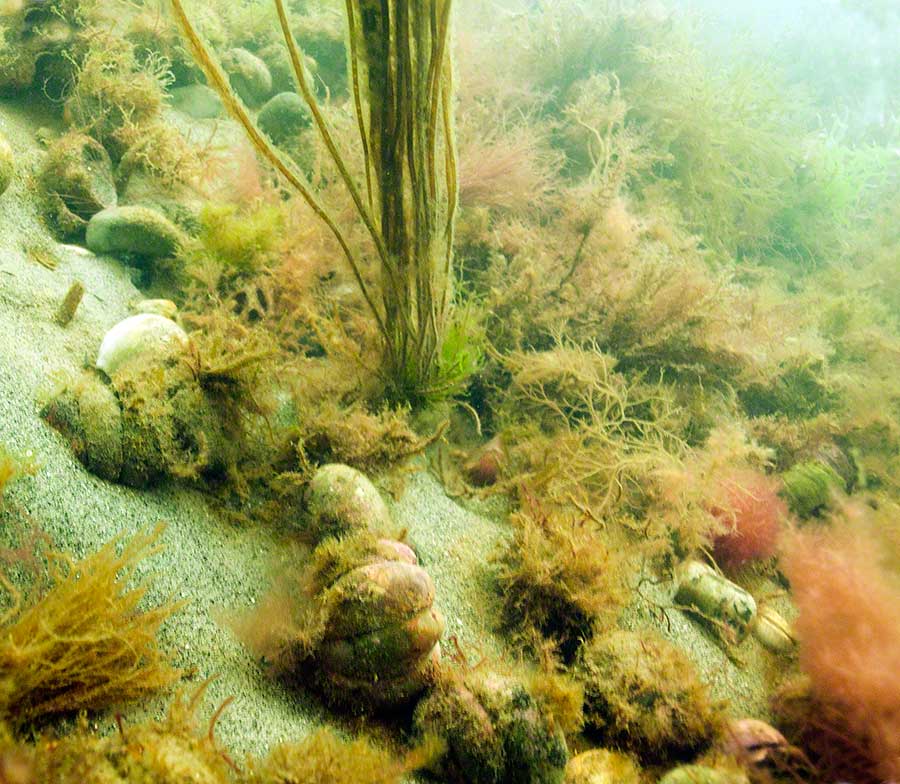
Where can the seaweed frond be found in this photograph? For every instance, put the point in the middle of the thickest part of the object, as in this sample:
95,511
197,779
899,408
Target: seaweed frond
83,643
557,577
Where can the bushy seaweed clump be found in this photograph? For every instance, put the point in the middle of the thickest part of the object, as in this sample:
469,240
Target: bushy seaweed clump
558,578
581,430
718,492
119,101
233,245
81,640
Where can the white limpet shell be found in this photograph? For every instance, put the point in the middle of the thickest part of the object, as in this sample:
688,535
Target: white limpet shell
147,336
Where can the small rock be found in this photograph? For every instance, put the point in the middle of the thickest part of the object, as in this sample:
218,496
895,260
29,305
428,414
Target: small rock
754,744
136,230
278,61
147,338
341,500
197,101
485,465
7,164
249,75
77,180
284,116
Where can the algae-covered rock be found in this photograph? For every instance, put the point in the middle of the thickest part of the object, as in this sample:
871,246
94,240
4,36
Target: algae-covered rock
197,101
7,164
341,500
249,75
283,116
134,230
39,48
278,61
601,766
322,42
643,694
77,182
141,426
495,730
809,486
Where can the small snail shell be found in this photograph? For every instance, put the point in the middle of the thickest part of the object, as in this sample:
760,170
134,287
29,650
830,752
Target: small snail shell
701,587
751,742
774,631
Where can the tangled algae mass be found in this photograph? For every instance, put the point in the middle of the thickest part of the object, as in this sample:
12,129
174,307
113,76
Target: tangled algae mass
474,392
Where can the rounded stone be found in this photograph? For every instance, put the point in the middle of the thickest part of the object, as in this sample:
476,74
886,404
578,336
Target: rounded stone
249,75
197,101
147,338
135,230
284,116
341,500
7,164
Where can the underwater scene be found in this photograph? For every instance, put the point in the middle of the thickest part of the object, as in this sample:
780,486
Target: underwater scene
451,391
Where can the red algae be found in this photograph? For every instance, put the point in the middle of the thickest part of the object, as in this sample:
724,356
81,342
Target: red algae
752,513
849,630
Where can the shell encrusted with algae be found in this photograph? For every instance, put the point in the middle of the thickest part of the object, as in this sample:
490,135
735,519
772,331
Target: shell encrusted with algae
145,415
774,631
341,500
379,644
